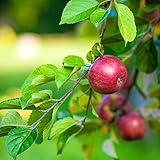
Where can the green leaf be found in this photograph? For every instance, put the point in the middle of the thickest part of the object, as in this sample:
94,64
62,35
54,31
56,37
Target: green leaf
33,98
61,126
113,135
142,25
36,114
97,50
109,149
13,103
146,56
12,117
94,112
41,75
90,127
98,16
113,41
65,137
154,91
62,75
73,61
115,45
112,27
41,96
11,120
4,130
49,128
126,22
150,104
152,6
90,56
78,10
19,140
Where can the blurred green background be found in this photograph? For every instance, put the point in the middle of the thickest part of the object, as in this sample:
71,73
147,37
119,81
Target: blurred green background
30,36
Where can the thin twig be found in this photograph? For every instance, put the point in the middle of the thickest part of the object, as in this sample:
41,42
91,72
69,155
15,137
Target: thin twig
104,26
87,108
140,91
103,30
34,125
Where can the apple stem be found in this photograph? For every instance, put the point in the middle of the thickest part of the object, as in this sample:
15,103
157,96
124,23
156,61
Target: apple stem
60,101
104,26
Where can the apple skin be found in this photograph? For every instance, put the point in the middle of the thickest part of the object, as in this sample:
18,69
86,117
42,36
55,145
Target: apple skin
107,74
110,104
131,126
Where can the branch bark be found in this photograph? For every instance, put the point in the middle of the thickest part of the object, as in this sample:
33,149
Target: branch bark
68,93
104,26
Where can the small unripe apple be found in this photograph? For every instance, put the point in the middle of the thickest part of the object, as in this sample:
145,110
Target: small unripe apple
110,104
107,74
131,126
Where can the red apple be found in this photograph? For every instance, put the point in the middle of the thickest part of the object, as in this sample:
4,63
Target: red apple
131,126
110,104
107,74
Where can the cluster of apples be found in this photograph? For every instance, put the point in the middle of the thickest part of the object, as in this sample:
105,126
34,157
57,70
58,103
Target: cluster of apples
108,75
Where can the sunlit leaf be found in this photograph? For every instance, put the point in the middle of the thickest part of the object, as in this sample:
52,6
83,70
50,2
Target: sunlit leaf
98,16
11,120
13,103
37,97
62,75
126,22
78,10
61,126
41,75
73,61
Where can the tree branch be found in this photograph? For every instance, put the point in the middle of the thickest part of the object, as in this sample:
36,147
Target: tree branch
87,108
68,93
105,21
140,91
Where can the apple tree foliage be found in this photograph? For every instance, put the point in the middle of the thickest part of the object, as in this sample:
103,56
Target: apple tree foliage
129,30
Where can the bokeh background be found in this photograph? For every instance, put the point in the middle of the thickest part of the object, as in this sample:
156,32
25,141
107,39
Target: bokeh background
30,35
